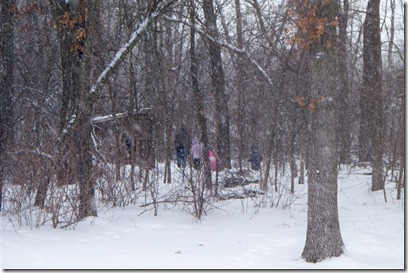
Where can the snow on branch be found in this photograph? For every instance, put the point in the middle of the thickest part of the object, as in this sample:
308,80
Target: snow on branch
239,51
35,152
102,119
156,8
68,126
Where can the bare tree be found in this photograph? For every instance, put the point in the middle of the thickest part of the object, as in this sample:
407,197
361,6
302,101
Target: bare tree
241,78
371,99
198,94
218,82
83,131
344,104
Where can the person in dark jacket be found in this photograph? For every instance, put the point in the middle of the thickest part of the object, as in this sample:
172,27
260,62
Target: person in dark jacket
255,158
182,142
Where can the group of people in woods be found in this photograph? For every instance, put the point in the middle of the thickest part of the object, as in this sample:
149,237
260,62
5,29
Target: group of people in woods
183,145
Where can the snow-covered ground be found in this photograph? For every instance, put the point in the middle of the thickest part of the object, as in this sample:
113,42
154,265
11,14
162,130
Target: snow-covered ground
238,234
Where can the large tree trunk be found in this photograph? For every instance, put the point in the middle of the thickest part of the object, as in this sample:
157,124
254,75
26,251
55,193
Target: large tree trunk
218,82
323,230
6,83
323,238
371,100
77,102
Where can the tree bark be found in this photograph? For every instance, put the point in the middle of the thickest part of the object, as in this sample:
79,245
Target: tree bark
218,82
169,88
269,155
241,75
199,96
83,132
6,83
323,239
344,128
293,166
392,33
70,90
77,102
302,143
371,100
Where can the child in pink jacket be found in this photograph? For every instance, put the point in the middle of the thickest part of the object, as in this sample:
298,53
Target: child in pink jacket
213,160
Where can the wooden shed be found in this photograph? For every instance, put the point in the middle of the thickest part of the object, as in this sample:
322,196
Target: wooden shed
127,137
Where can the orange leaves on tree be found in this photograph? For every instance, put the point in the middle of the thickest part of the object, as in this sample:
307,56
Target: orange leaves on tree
67,21
310,104
64,20
309,24
78,44
321,99
334,23
319,29
300,100
74,24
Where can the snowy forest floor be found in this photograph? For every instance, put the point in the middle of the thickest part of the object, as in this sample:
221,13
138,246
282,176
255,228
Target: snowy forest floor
235,233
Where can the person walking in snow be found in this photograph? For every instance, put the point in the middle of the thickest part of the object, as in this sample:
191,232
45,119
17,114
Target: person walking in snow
196,152
255,158
182,144
213,160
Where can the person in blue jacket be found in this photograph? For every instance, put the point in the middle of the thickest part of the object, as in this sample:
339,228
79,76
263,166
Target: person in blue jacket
182,143
255,158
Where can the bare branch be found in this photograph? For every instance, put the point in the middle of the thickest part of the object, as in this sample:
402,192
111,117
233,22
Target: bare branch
155,10
239,51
